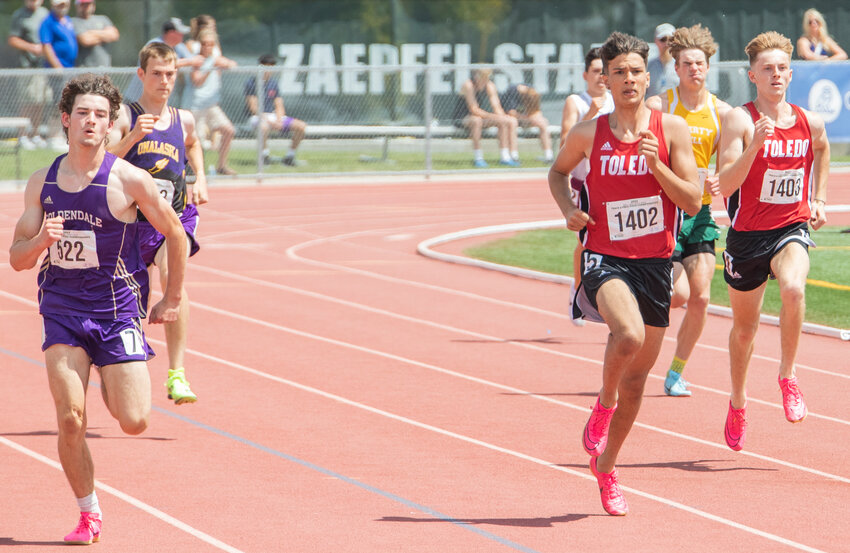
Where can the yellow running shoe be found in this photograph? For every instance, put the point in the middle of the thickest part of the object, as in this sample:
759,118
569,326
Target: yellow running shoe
178,387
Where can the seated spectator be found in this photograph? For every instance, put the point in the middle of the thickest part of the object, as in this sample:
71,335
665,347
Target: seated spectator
522,102
33,90
273,115
816,44
202,96
479,107
93,32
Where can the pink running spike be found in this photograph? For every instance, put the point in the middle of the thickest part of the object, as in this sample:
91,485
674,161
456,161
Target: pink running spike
736,427
792,399
613,500
595,435
87,530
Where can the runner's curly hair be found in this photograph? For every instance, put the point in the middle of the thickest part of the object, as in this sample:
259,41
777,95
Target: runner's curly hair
90,83
693,38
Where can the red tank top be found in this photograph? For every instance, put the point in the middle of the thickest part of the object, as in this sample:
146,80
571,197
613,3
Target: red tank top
634,217
777,188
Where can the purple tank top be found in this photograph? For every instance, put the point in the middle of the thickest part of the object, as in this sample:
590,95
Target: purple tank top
162,153
95,270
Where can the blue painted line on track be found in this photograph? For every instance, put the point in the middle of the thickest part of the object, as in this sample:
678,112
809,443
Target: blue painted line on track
307,464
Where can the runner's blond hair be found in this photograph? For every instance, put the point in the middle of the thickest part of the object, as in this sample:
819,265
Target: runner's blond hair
693,38
771,40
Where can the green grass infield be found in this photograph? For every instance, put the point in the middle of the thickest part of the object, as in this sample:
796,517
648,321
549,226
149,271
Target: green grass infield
827,291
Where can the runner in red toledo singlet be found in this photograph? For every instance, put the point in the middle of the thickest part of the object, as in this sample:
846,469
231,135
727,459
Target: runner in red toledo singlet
632,213
642,170
774,163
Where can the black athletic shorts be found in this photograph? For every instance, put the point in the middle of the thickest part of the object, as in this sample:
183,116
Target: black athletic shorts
748,254
650,281
687,250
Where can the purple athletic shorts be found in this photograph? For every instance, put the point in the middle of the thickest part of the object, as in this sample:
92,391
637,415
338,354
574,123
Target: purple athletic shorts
151,239
106,341
285,123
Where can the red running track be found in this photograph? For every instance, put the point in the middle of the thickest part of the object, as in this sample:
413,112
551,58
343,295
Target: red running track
358,397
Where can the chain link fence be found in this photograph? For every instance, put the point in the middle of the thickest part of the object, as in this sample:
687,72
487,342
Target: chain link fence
365,119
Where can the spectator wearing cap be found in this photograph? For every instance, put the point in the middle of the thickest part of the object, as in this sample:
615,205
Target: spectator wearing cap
94,31
58,37
662,70
173,31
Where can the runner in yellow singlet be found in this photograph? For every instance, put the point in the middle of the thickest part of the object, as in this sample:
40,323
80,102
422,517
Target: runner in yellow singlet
694,257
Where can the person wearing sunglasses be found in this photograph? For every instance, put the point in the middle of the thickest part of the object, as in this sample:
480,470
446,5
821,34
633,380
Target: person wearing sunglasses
662,68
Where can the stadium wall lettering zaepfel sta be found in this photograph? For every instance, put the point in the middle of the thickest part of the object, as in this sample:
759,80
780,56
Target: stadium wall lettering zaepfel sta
450,63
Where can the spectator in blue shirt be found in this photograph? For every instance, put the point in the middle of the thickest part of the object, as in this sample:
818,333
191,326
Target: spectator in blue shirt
273,115
60,48
58,37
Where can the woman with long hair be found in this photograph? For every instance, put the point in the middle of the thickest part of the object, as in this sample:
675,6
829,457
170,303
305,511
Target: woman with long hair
816,44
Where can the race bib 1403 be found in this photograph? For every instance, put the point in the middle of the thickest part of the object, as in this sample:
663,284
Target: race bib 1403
782,186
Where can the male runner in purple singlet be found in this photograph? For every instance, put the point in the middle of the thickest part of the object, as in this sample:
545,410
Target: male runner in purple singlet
83,211
161,139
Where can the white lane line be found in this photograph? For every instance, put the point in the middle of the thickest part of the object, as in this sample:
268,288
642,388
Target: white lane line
292,252
448,328
492,384
424,248
475,441
141,505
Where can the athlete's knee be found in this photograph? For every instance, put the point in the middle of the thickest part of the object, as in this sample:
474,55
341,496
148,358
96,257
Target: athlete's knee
133,423
474,123
227,131
792,293
627,342
744,332
72,424
699,302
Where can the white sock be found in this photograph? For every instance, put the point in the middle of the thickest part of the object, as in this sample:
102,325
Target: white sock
477,154
266,152
504,154
547,153
515,155
291,153
88,504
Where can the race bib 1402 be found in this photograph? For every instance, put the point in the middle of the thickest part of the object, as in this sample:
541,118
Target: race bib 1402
635,217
